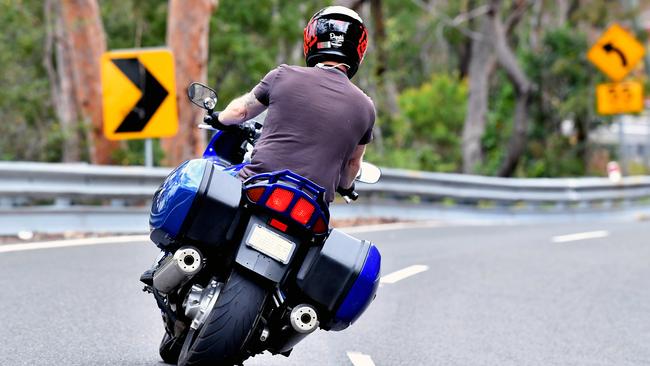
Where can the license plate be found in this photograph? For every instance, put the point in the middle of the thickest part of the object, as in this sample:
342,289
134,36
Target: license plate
267,242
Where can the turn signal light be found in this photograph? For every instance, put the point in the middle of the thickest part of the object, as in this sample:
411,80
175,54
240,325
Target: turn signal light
319,227
279,200
254,194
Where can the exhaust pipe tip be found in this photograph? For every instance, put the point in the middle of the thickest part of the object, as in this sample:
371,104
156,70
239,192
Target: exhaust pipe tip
177,269
304,319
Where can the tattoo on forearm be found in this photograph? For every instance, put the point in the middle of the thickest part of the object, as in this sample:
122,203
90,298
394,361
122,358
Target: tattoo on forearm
249,100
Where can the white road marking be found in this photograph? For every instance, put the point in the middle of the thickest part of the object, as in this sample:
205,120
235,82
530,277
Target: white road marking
580,236
391,226
131,238
72,243
403,273
359,359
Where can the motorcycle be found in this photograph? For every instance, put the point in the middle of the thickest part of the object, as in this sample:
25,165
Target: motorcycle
250,267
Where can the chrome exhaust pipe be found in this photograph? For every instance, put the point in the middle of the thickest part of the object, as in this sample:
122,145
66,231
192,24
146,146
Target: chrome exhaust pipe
177,269
303,319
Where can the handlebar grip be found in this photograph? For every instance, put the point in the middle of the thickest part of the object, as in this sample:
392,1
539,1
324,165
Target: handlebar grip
213,120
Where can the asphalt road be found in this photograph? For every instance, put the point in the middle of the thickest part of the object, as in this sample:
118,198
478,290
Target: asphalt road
491,296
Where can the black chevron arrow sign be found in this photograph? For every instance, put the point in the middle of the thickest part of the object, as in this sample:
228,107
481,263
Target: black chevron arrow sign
153,95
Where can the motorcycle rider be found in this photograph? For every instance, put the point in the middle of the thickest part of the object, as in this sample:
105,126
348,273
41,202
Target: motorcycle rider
318,121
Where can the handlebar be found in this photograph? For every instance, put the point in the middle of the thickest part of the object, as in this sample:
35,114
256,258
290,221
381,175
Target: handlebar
348,194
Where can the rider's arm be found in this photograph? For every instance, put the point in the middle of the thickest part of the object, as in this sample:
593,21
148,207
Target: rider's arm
351,168
241,109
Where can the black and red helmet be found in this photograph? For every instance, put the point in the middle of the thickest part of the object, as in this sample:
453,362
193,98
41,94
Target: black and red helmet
336,33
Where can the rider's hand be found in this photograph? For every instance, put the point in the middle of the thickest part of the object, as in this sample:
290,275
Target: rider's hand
348,192
213,120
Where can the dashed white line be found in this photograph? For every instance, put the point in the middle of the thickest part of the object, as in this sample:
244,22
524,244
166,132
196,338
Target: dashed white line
580,236
359,359
72,243
403,273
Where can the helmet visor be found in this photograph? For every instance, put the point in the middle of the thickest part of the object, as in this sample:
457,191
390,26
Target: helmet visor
331,25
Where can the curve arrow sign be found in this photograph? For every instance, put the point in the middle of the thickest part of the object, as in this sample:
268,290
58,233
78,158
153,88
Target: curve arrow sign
609,47
153,95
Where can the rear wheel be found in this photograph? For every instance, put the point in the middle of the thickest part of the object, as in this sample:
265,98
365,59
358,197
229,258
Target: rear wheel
170,349
221,340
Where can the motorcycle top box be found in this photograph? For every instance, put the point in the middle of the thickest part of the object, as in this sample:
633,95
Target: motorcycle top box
196,203
342,277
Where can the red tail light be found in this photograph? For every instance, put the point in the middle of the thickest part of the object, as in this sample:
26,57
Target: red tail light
279,200
320,226
302,211
254,194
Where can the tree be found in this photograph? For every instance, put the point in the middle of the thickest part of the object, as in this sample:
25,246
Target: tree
490,47
187,36
83,28
58,64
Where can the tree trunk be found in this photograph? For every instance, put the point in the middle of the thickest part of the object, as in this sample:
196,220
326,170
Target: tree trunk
480,65
59,71
188,26
508,61
85,33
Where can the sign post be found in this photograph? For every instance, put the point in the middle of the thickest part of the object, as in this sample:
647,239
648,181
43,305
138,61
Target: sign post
139,96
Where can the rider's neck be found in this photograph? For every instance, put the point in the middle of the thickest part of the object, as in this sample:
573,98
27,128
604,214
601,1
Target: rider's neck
337,64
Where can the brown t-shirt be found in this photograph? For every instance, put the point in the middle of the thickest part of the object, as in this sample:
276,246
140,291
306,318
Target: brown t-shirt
316,118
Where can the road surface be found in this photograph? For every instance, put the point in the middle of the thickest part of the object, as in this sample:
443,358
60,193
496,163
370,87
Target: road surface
570,294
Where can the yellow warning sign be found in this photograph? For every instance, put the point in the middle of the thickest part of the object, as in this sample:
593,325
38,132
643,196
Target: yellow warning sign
620,98
139,94
616,52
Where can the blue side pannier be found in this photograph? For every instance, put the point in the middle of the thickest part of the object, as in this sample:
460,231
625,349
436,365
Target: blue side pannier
341,277
197,203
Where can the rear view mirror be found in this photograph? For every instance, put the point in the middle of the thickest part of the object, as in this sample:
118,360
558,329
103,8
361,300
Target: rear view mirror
368,173
202,96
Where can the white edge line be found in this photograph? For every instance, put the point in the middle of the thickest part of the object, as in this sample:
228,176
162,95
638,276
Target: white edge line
72,243
580,236
7,248
403,273
359,359
391,226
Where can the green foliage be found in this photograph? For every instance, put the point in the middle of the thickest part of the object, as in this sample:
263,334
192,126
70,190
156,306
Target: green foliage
25,109
427,134
134,23
565,82
132,153
245,44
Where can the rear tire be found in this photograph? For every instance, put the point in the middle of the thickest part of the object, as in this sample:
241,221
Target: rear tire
221,340
170,349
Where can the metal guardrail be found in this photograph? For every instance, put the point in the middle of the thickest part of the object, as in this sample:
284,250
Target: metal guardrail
27,180
83,194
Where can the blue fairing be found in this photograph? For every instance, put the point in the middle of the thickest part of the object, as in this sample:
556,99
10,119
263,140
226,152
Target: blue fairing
174,198
362,292
210,150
